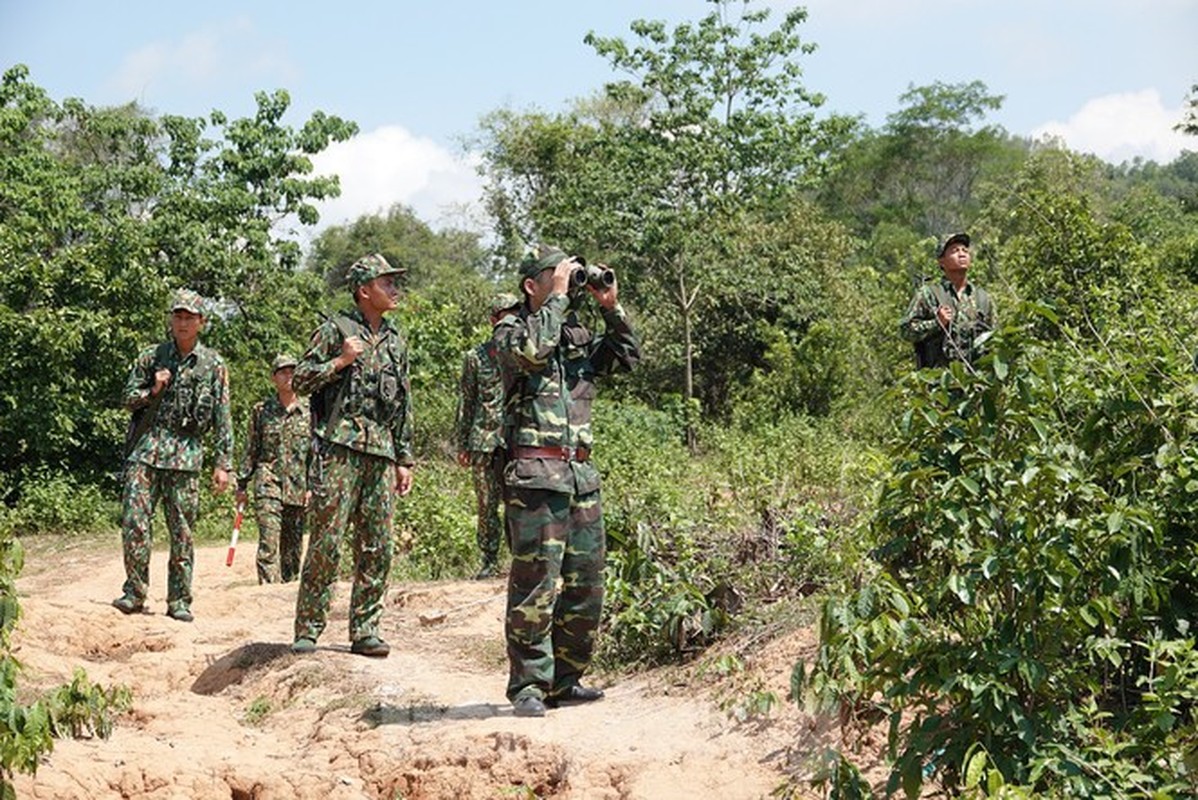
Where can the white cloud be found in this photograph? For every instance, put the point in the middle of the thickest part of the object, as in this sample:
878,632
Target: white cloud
213,56
389,165
1120,127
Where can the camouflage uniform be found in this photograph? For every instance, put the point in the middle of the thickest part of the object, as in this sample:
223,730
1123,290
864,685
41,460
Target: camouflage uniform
973,314
361,434
478,431
555,590
276,457
164,464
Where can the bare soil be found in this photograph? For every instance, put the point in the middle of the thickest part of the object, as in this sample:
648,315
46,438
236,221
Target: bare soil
223,709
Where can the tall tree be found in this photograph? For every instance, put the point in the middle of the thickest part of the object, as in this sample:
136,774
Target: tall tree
713,127
922,168
1189,125
102,212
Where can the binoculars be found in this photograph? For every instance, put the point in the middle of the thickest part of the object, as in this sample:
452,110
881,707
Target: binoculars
583,274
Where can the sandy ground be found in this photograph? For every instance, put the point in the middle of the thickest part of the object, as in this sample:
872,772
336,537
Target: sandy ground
222,709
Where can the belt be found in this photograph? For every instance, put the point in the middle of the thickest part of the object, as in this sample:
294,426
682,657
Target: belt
555,453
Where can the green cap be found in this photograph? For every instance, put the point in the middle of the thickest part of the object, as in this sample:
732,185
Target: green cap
367,268
504,301
537,261
282,361
954,238
187,300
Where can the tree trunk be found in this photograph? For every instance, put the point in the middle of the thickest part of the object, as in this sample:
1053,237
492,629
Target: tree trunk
686,304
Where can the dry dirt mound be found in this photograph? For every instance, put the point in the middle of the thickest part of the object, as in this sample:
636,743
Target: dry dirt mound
222,709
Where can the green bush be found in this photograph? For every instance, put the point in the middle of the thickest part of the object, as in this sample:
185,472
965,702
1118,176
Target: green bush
1028,596
435,524
55,502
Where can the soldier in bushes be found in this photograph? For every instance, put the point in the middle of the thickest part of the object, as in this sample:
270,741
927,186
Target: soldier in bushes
356,368
946,317
478,435
177,391
276,458
555,590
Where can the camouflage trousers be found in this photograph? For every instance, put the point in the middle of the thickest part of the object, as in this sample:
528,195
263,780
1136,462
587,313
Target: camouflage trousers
349,490
486,470
179,493
280,539
555,590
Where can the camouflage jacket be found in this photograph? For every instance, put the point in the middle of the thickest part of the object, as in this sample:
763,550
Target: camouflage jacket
973,314
479,422
549,363
195,400
276,451
373,414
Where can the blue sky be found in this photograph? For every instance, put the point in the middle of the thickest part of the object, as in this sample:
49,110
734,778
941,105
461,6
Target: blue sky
1108,76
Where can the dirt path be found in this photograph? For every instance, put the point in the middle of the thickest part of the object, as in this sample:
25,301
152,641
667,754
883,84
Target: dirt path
223,709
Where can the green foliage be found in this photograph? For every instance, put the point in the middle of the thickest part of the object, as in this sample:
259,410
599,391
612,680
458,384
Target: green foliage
713,135
102,212
258,710
1029,534
1189,125
690,539
84,709
77,709
923,168
58,503
435,524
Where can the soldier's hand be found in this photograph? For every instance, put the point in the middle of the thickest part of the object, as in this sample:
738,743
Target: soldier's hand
351,348
605,296
403,480
944,314
241,497
162,378
220,480
561,276
464,458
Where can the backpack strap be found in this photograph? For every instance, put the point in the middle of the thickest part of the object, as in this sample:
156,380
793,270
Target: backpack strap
140,421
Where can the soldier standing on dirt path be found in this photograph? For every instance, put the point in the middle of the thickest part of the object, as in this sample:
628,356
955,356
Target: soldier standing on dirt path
276,458
177,391
356,368
555,520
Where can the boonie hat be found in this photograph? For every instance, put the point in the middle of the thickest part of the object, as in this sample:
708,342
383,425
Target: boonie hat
954,238
537,261
502,302
367,268
282,361
187,300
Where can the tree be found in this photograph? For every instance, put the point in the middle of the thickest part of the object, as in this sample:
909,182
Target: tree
1189,125
714,128
102,212
922,168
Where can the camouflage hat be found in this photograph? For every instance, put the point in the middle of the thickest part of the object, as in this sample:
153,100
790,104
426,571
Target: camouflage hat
503,302
282,361
187,300
367,268
537,261
962,238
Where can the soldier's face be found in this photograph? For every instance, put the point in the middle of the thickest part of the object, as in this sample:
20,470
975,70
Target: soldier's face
282,378
956,257
186,326
380,294
539,288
